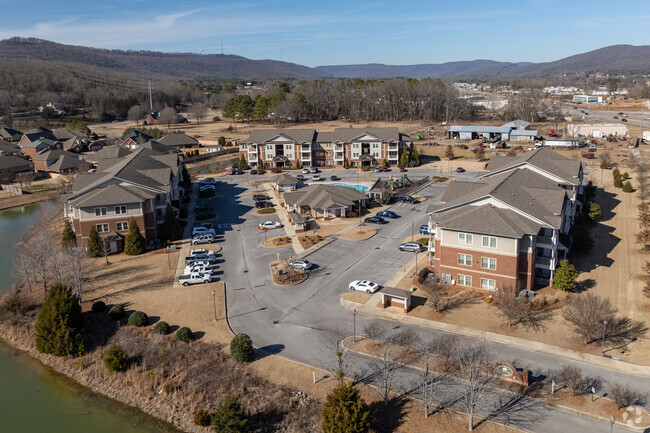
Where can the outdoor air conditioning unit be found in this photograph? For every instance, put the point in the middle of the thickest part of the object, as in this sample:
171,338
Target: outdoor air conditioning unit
453,282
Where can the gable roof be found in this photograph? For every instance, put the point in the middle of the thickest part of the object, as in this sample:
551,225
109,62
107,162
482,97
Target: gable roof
488,220
65,162
65,134
181,139
10,133
517,124
347,135
40,133
9,162
114,194
284,179
52,155
9,148
42,143
111,152
261,136
322,197
541,158
137,136
157,147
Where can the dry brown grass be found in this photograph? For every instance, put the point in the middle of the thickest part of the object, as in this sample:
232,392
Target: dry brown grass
358,234
278,241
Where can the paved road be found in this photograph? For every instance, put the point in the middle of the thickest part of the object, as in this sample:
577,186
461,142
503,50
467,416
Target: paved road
298,322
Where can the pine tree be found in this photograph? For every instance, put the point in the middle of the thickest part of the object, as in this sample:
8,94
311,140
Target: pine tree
627,187
414,160
58,328
134,242
171,228
68,238
230,417
346,164
345,411
93,247
404,159
565,276
593,210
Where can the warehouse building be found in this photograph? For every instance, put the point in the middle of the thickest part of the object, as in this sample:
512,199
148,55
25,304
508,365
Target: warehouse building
596,130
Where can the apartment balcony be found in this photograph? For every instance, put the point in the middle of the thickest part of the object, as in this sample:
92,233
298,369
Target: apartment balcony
339,156
306,147
545,263
545,240
305,156
393,146
393,155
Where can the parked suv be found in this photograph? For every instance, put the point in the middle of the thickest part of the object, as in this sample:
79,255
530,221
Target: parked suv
411,246
424,229
407,199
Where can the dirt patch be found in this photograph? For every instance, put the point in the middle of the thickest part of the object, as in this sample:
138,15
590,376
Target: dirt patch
257,191
278,241
356,297
257,182
358,234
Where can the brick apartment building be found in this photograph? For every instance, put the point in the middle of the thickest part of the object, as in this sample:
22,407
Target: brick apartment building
139,185
364,147
511,226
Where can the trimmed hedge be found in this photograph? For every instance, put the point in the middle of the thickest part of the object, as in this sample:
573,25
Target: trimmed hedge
116,312
184,334
241,348
98,306
161,328
139,319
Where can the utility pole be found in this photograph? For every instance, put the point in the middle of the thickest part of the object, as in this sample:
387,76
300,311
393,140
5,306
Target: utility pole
150,98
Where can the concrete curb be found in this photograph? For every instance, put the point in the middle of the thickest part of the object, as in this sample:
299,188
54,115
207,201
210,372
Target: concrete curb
365,309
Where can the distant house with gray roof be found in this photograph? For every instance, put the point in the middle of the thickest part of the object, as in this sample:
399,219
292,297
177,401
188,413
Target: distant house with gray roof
325,201
12,166
179,141
140,185
509,227
285,182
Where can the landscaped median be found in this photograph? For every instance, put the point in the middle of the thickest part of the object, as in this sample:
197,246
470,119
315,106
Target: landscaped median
286,275
573,394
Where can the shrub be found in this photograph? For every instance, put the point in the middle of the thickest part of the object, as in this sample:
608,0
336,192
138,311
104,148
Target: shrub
58,328
98,306
230,417
266,211
12,304
161,328
138,318
624,395
216,118
116,359
616,173
345,411
202,418
627,187
184,334
618,182
565,276
593,210
625,176
116,312
572,377
603,164
241,348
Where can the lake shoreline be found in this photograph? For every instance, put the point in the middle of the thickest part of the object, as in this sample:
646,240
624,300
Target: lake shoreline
27,199
21,339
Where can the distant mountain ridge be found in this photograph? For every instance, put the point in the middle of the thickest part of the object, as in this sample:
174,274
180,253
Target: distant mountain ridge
617,59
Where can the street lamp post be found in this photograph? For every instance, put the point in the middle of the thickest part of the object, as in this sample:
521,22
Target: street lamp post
612,420
412,229
416,263
604,332
354,325
214,305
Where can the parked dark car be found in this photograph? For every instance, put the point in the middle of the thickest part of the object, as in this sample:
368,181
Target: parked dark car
375,220
261,171
387,214
203,207
257,197
253,171
334,178
407,199
460,170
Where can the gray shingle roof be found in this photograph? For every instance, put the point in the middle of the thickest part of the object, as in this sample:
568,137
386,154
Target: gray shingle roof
111,152
180,139
488,220
52,155
10,133
9,162
384,134
261,136
284,179
324,197
541,158
114,194
66,162
41,142
157,147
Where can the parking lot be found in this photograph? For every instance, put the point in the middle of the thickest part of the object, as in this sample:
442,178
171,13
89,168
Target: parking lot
294,320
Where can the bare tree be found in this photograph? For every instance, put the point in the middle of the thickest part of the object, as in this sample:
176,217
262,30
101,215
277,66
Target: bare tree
393,352
77,268
64,183
135,114
572,378
519,309
168,115
429,379
625,395
473,368
375,331
343,361
36,257
199,110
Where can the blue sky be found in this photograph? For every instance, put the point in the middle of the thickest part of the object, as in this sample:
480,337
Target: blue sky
329,32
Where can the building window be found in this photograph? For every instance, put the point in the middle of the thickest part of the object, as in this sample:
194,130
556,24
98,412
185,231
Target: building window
488,284
269,147
489,242
327,145
355,146
288,146
375,145
100,211
487,263
465,259
329,153
465,239
102,228
120,210
464,280
355,155
122,226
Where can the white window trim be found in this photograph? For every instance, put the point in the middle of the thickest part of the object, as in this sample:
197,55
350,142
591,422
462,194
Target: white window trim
487,285
464,241
118,210
125,226
102,228
488,266
464,262
488,245
100,211
466,279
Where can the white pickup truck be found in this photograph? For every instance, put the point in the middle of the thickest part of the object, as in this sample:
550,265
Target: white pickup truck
190,269
195,278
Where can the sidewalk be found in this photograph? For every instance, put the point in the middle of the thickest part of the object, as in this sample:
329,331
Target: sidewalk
369,309
284,219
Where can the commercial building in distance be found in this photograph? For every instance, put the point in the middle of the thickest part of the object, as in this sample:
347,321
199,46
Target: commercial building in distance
587,99
596,129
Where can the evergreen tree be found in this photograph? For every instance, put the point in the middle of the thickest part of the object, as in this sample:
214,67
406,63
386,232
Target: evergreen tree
414,159
449,152
68,238
134,242
94,243
187,179
346,164
171,228
627,187
59,323
230,417
222,141
345,411
243,165
404,159
593,210
565,276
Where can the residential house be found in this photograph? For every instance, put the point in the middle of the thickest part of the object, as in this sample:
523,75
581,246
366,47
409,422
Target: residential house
325,201
61,162
75,144
109,152
11,166
157,147
179,141
364,147
152,118
10,134
30,137
139,185
510,227
284,182
133,139
63,134
7,148
39,146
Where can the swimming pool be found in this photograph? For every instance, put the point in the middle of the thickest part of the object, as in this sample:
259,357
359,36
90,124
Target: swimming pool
357,187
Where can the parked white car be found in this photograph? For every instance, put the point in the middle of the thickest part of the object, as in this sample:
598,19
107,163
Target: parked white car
194,278
197,251
301,264
189,269
269,225
316,178
364,286
199,230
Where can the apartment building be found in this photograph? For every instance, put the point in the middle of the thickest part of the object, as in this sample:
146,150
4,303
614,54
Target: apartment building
365,147
139,185
511,226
